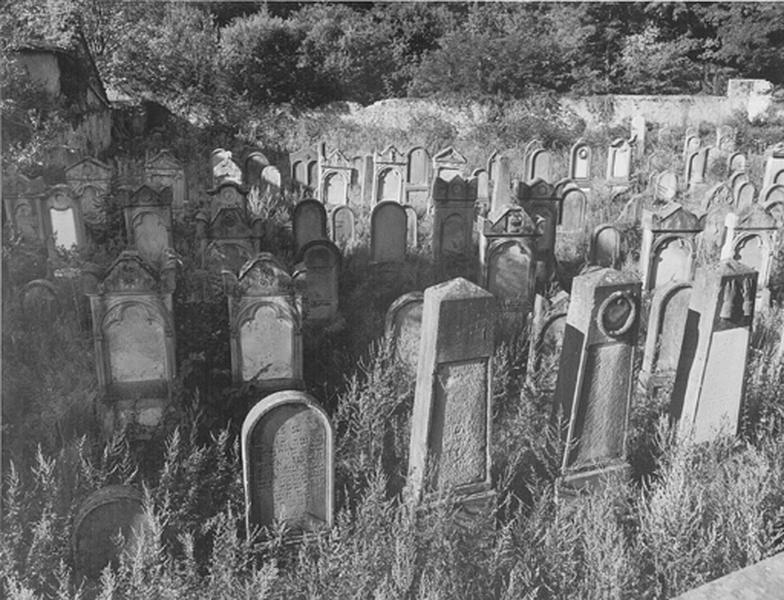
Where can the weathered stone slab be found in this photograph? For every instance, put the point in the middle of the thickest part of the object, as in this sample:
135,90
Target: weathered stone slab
664,339
605,247
164,170
450,425
343,226
453,223
418,177
580,157
388,232
148,221
265,327
39,301
619,163
389,175
403,327
309,222
595,375
668,245
317,273
288,463
103,516
707,395
547,332
63,225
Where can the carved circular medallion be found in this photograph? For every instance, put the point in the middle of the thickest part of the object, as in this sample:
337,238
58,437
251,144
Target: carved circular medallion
617,314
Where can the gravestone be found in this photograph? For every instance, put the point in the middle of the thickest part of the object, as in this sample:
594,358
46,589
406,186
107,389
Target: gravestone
773,203
696,169
668,247
335,174
225,169
745,196
718,196
39,301
482,190
507,257
61,214
112,511
229,240
580,164
148,221
595,377
403,327
753,242
666,186
725,139
638,132
304,169
90,180
448,164
664,338
288,468
388,232
228,194
453,220
502,185
605,247
164,170
343,225
619,163
707,396
774,166
412,227
528,151
389,175
265,327
573,209
418,176
452,416
133,334
737,163
544,343
540,166
316,274
492,165
735,181
543,206
691,143
255,163
21,200
309,222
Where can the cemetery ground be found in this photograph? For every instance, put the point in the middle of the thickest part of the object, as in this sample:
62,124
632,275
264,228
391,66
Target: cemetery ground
688,514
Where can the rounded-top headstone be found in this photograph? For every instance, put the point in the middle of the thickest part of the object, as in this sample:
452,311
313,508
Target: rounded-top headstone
112,510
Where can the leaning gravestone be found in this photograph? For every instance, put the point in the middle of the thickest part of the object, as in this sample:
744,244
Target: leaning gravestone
288,463
104,515
664,339
309,222
595,376
547,331
403,327
388,232
605,247
668,245
133,334
638,131
316,276
543,206
752,241
707,395
502,185
265,327
451,421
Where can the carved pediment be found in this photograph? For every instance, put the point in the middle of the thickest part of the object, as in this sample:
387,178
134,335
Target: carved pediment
756,217
60,197
455,189
88,169
511,219
149,195
390,155
337,160
129,273
163,161
674,217
449,156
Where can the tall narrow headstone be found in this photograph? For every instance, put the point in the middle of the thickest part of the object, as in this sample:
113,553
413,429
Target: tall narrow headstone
605,247
90,180
546,337
389,175
343,225
412,227
540,166
619,163
543,205
595,376
668,247
63,226
638,131
453,223
753,242
707,395
580,164
21,200
573,209
451,423
664,339
482,190
265,327
502,185
164,170
288,468
418,176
